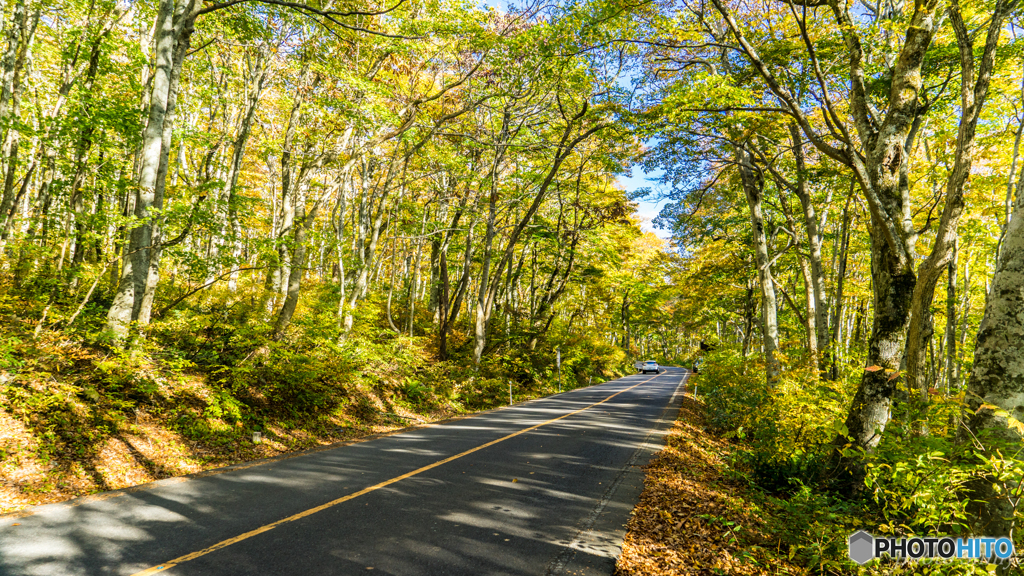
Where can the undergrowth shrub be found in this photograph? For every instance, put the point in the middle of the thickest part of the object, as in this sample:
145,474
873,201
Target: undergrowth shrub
816,528
915,481
786,428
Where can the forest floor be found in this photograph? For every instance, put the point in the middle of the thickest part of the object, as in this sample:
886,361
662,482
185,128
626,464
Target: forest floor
695,517
68,430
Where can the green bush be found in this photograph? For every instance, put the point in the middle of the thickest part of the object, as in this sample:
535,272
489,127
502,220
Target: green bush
782,474
915,480
797,415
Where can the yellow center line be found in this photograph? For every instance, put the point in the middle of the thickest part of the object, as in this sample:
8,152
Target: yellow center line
311,511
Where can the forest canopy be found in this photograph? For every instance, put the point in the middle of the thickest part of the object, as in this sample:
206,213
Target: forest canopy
275,198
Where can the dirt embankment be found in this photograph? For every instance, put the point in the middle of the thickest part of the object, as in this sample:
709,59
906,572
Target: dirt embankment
76,420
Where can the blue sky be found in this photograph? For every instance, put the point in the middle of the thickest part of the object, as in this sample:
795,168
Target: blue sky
499,4
647,210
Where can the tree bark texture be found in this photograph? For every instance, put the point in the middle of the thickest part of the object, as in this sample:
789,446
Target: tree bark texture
995,391
973,93
753,185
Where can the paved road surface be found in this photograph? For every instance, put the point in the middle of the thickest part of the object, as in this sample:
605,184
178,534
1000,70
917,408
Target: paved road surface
540,488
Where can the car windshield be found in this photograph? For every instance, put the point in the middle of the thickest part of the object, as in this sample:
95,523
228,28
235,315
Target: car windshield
650,362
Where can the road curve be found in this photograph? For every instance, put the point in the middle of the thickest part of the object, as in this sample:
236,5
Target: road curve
540,488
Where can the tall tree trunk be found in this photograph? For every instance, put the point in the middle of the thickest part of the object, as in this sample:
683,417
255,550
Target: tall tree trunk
9,71
170,21
339,234
448,308
278,273
624,313
817,274
453,307
414,281
749,309
20,33
391,286
184,26
434,264
256,81
973,93
553,290
485,293
995,391
81,150
443,285
372,209
809,318
837,309
952,371
753,184
1014,162
299,230
13,137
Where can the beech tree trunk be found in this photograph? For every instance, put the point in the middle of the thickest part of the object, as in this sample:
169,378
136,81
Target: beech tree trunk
485,295
184,26
973,93
753,184
995,391
135,266
952,366
20,33
298,262
817,274
173,28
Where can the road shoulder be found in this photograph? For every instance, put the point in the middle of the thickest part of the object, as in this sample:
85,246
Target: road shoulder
695,518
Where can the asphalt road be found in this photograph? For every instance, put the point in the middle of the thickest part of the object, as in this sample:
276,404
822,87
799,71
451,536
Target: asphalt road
539,488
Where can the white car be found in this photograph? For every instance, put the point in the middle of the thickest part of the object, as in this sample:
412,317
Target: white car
648,366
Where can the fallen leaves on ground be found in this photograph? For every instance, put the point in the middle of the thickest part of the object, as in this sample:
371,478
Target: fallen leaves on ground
694,520
68,429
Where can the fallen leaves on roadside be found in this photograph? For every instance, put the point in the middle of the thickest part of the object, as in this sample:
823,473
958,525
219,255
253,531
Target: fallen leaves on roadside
691,519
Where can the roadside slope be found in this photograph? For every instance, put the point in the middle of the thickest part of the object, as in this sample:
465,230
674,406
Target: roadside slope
77,419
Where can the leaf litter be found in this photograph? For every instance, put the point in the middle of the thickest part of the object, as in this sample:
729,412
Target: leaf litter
695,519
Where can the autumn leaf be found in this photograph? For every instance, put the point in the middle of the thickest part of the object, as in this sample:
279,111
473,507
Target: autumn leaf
996,410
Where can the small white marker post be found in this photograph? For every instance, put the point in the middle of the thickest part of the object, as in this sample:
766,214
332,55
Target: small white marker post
257,437
509,392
